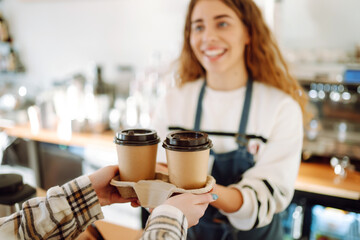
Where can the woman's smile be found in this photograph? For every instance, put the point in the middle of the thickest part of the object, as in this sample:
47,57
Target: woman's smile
213,53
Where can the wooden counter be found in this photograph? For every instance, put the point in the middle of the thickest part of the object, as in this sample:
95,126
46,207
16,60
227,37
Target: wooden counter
314,178
320,178
77,139
109,231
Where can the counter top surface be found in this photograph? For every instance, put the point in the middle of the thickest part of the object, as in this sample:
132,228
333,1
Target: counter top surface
320,178
50,136
313,177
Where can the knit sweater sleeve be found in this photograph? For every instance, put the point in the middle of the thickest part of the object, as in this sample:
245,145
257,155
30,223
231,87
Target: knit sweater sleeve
268,187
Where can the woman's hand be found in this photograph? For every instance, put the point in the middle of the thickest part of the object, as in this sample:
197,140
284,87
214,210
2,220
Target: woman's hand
193,206
161,167
106,193
230,199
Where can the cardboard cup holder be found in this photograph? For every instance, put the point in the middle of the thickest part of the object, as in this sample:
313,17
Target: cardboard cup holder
152,193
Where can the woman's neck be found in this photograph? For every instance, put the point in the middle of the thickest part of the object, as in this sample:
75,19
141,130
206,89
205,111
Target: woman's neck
227,81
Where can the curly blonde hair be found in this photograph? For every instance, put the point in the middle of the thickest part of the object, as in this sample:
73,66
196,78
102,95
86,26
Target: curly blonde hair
263,59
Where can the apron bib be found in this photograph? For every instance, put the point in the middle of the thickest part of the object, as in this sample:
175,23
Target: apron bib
228,169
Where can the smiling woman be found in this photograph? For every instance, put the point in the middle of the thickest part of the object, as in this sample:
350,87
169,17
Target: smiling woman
232,79
218,39
261,50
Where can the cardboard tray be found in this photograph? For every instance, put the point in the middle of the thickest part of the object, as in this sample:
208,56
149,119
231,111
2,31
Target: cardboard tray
152,193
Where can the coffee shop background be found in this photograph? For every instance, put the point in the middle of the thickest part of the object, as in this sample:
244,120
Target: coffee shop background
115,58
57,40
60,37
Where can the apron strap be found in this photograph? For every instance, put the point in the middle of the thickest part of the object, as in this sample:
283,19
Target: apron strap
199,108
240,138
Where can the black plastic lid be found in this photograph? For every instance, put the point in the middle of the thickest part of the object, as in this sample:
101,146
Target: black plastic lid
10,183
137,137
187,141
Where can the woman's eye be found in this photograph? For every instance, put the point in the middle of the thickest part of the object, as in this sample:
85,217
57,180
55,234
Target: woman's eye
223,24
198,28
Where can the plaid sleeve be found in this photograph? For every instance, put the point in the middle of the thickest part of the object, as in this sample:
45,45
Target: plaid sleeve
63,214
166,222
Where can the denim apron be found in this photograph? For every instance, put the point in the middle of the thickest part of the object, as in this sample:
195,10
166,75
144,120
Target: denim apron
228,169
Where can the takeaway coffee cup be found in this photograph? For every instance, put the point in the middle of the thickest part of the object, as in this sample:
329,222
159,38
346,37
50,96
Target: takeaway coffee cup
136,151
187,154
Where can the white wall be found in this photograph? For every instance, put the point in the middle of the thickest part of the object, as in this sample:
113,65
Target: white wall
55,38
312,24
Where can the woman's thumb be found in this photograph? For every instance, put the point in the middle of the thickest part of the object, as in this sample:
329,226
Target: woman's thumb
207,198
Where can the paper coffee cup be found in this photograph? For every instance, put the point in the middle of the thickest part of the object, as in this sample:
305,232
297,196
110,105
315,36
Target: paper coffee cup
136,151
187,155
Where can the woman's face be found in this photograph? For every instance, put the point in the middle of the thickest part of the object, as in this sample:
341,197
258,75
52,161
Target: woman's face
217,36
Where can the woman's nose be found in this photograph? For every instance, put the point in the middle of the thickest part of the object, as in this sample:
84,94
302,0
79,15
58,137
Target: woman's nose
209,34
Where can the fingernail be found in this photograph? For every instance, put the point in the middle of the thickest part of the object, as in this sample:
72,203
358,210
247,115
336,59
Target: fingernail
214,196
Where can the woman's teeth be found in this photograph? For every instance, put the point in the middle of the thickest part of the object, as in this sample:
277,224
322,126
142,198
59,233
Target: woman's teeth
213,53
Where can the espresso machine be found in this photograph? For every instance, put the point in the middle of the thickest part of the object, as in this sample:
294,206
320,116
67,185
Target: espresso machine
333,134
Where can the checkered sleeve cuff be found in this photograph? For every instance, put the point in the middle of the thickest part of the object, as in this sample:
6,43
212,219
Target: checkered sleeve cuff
83,201
166,221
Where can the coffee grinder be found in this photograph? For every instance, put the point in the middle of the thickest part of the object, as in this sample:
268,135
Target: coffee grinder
13,192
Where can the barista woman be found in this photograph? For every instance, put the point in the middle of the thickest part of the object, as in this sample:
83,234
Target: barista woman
234,84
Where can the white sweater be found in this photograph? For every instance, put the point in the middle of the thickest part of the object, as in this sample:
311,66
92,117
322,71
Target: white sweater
274,115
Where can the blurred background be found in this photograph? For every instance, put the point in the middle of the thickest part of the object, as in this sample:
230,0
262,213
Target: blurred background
72,72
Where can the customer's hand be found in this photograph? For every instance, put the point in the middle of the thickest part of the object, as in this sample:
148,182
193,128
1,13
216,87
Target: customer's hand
106,193
192,205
